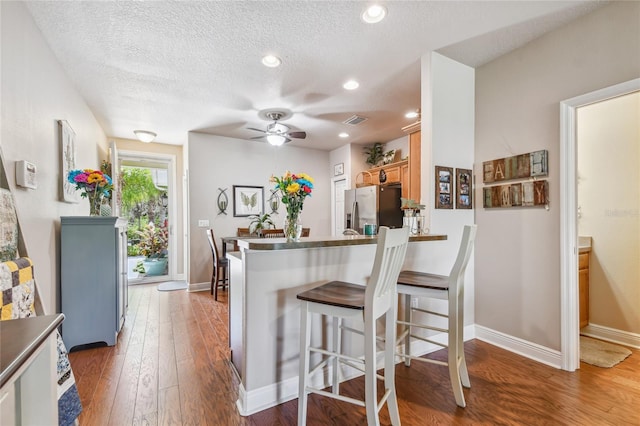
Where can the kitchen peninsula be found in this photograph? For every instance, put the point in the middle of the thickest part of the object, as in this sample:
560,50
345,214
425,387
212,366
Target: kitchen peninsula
264,314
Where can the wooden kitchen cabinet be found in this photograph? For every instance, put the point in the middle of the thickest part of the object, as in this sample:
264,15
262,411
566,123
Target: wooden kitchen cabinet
583,284
393,173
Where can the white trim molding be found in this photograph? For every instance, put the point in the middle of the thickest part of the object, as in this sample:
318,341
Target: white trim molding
612,335
569,309
519,346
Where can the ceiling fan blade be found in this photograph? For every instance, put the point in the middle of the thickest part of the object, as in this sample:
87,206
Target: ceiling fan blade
258,137
297,135
257,130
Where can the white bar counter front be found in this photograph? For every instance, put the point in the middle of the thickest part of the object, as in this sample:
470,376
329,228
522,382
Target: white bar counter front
264,313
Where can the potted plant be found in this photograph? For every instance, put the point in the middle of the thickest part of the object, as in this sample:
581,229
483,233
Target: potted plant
374,154
260,222
153,246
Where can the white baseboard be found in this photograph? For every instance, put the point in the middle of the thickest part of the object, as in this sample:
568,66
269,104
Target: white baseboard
250,402
519,346
191,287
612,335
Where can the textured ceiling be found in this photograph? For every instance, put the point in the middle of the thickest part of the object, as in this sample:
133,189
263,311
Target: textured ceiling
178,66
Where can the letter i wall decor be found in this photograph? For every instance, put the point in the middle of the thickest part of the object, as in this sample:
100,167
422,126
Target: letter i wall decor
521,194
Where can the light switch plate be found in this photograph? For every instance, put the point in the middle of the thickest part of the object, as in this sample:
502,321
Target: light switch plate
203,223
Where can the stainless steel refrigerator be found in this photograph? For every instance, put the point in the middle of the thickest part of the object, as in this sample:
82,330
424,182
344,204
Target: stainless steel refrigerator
374,204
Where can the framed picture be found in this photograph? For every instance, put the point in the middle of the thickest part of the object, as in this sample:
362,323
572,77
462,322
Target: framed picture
248,200
464,190
68,148
338,169
444,186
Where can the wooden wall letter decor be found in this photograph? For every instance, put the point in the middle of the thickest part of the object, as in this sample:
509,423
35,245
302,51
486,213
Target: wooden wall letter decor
533,164
522,194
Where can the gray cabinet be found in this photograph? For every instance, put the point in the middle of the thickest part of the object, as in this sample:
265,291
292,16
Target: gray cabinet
93,278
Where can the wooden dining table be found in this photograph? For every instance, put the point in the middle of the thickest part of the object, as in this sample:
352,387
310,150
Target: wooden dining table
228,240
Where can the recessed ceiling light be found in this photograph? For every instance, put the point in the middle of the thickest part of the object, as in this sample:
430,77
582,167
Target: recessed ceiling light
271,61
145,135
351,85
374,14
411,114
344,135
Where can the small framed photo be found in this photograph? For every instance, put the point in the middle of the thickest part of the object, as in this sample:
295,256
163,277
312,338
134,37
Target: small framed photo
338,169
248,200
464,189
444,182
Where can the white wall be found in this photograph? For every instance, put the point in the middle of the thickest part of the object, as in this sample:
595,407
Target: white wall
35,93
219,162
609,199
517,111
447,140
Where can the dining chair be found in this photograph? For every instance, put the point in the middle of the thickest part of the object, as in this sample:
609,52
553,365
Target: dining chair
219,264
362,305
273,233
450,288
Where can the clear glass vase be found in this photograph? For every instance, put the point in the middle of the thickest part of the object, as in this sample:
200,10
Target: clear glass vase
292,228
95,201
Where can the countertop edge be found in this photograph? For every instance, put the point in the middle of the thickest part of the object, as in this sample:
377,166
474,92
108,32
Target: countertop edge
314,242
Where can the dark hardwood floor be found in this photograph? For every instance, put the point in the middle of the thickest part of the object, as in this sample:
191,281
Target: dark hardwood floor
170,368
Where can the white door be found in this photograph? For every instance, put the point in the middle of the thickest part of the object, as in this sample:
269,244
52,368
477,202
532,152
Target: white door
339,186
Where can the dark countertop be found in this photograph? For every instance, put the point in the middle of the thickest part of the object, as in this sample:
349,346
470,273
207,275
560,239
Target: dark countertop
20,338
316,242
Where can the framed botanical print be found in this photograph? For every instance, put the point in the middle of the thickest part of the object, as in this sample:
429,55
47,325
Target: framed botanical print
464,190
248,200
68,148
444,187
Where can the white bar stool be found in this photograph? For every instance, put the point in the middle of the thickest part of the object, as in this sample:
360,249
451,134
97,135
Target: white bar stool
443,287
366,304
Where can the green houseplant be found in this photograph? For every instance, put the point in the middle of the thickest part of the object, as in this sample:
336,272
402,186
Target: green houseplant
260,222
374,154
154,241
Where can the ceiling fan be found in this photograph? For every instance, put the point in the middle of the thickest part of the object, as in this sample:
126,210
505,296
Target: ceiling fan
277,133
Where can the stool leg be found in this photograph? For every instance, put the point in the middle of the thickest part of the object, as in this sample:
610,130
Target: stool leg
305,342
370,385
337,347
407,318
215,282
389,365
452,354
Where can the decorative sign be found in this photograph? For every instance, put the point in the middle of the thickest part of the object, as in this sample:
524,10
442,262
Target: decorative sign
524,194
534,164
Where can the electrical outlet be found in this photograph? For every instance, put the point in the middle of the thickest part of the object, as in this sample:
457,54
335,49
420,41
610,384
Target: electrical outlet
414,302
203,223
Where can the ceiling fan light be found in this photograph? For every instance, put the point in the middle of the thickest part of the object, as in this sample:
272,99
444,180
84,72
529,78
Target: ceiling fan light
271,61
374,14
343,135
145,135
276,140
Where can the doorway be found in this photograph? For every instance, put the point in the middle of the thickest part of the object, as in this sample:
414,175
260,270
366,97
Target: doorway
569,314
147,183
337,216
